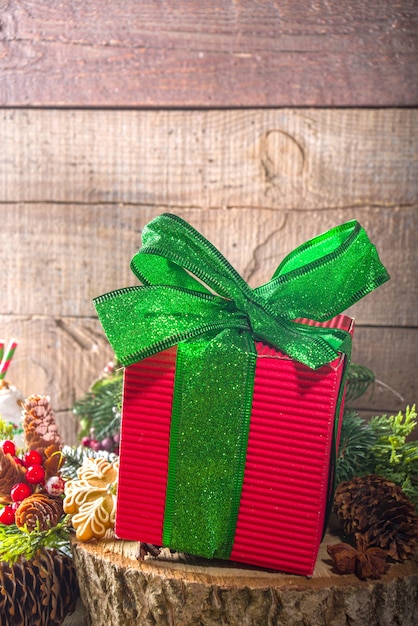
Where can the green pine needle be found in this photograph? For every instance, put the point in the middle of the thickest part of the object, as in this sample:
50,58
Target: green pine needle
16,542
356,439
100,408
74,457
380,447
359,378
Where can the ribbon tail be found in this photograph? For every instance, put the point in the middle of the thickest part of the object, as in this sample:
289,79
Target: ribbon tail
140,321
208,442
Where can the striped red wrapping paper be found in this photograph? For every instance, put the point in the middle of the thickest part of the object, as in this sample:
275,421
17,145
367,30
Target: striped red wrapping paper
285,488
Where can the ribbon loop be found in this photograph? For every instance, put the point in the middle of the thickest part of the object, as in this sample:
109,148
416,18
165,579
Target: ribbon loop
180,270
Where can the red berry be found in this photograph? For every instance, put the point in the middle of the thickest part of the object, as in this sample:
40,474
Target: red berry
7,516
86,442
9,447
95,445
107,444
35,474
32,457
20,491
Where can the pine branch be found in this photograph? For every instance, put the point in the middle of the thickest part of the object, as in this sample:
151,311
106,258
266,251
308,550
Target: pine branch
356,439
100,408
74,457
16,542
380,447
359,378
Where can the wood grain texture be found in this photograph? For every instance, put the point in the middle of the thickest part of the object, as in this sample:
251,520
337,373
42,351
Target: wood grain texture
116,588
70,253
77,187
219,54
273,159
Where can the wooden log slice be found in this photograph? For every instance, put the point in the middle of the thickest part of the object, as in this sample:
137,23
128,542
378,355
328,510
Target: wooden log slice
172,590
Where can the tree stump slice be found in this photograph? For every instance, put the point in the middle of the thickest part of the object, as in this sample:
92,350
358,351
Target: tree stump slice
172,590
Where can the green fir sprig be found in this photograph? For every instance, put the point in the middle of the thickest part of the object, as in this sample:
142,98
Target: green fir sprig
356,439
381,447
75,455
359,379
392,455
100,408
18,542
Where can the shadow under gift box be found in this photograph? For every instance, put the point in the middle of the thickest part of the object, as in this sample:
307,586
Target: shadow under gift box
286,479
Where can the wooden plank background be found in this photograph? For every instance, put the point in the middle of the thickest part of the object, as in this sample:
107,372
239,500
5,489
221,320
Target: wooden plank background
78,186
222,53
262,124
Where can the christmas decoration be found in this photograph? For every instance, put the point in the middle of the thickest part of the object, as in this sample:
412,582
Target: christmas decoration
375,510
99,411
11,473
91,499
224,334
37,576
41,432
380,446
41,591
10,397
383,523
356,439
74,457
39,511
364,562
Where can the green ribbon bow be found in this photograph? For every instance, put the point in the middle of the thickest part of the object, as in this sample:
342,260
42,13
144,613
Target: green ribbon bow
193,298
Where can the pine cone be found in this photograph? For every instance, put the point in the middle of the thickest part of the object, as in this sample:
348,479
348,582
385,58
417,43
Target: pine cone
10,474
378,514
41,509
41,431
39,592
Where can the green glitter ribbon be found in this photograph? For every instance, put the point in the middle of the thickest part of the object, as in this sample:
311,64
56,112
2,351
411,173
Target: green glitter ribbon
193,298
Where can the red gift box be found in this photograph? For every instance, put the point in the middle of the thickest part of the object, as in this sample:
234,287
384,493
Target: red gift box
287,472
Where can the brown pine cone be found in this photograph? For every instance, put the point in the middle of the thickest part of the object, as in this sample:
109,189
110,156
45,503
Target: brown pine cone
378,514
39,592
39,424
39,508
10,474
41,431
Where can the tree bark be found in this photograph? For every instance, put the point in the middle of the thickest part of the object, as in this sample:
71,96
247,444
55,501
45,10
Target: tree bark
171,590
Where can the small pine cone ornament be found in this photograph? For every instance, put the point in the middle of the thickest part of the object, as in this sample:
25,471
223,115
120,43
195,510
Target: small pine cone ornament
39,511
38,592
377,513
10,474
41,431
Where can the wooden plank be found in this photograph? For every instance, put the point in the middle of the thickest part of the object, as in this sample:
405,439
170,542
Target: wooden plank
62,356
56,258
58,357
273,159
391,353
222,54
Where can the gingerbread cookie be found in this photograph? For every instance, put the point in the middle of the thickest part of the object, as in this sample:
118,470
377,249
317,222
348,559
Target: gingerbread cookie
91,500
